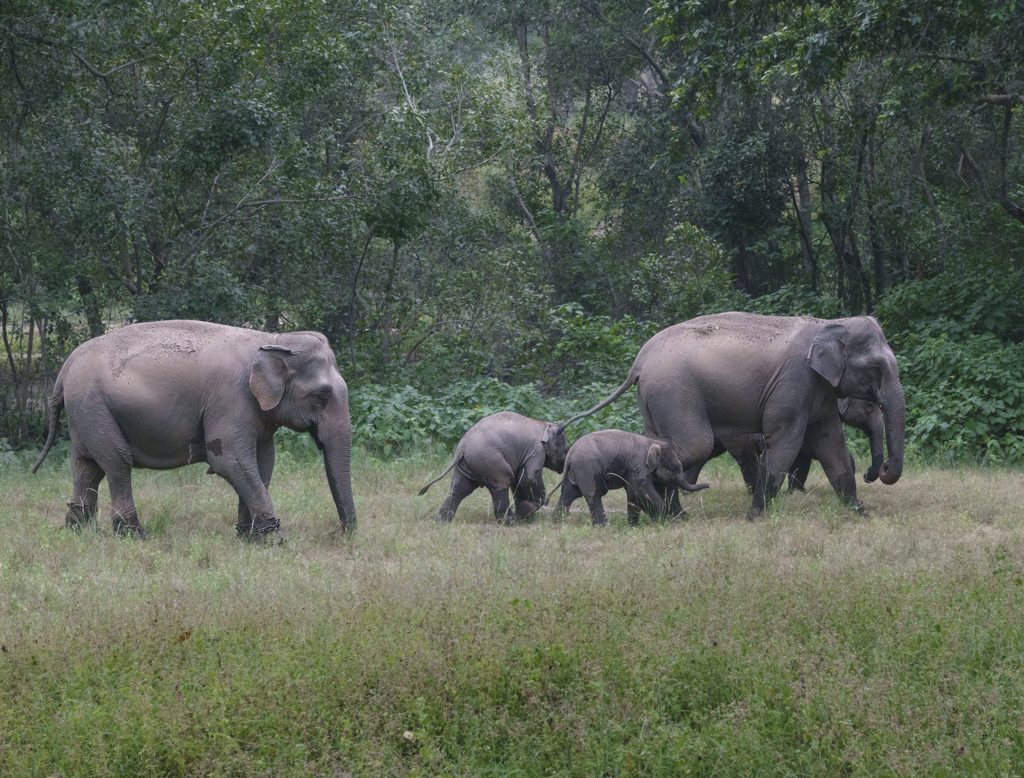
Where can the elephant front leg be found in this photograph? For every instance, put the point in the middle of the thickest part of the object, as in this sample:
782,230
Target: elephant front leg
634,506
670,497
765,490
500,502
530,497
247,465
799,470
648,498
250,526
770,474
827,444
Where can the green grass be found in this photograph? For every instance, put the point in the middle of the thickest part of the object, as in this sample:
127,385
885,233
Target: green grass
811,642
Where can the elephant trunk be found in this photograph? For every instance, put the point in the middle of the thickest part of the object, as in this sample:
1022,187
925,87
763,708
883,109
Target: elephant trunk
876,436
895,412
335,441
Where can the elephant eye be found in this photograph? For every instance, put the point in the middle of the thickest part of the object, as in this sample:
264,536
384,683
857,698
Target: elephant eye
320,398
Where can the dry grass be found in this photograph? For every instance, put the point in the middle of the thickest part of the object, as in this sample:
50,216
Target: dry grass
813,641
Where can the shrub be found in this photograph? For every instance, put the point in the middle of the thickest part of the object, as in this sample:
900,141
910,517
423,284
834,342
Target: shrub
964,397
394,420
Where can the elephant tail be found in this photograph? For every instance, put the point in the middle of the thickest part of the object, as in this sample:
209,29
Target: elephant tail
634,374
455,461
56,406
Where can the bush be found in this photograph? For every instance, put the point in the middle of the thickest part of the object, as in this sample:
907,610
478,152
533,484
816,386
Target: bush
964,397
578,349
959,339
984,298
393,420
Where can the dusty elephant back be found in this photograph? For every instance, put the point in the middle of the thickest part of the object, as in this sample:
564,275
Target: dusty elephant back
500,443
724,366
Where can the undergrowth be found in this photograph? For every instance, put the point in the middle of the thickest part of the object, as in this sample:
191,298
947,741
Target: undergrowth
814,641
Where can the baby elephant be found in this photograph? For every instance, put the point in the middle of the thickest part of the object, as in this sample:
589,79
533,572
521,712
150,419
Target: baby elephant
614,459
500,452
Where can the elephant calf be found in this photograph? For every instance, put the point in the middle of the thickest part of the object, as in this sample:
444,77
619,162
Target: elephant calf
614,459
501,452
748,450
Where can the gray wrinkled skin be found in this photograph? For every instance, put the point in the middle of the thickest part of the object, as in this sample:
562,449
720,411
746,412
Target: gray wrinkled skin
613,459
501,452
716,382
161,395
858,414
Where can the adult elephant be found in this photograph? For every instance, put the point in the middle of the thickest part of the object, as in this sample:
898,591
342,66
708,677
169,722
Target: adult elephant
160,395
717,381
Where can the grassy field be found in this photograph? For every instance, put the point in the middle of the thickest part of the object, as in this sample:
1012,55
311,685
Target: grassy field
811,642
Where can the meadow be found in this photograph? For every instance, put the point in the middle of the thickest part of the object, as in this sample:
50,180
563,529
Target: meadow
814,641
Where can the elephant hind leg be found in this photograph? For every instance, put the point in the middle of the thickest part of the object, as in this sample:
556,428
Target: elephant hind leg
569,494
461,488
597,515
122,506
118,468
86,478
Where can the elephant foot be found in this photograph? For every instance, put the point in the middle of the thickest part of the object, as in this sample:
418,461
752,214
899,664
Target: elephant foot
76,517
128,526
126,530
754,513
261,529
269,538
527,509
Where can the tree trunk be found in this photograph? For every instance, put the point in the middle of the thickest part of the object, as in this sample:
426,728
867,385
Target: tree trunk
918,165
91,307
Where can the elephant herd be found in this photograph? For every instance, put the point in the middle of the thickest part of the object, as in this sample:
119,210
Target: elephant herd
772,391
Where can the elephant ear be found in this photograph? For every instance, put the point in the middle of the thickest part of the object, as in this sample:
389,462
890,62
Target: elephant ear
654,454
269,376
844,405
827,354
549,438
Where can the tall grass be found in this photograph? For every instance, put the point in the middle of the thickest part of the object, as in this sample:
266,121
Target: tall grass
811,642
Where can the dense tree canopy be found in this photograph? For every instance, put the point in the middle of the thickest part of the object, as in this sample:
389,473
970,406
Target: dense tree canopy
467,190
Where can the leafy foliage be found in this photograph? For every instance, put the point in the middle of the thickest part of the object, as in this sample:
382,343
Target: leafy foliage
960,339
514,194
387,419
983,297
965,397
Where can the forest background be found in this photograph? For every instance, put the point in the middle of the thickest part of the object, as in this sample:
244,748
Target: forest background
491,205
